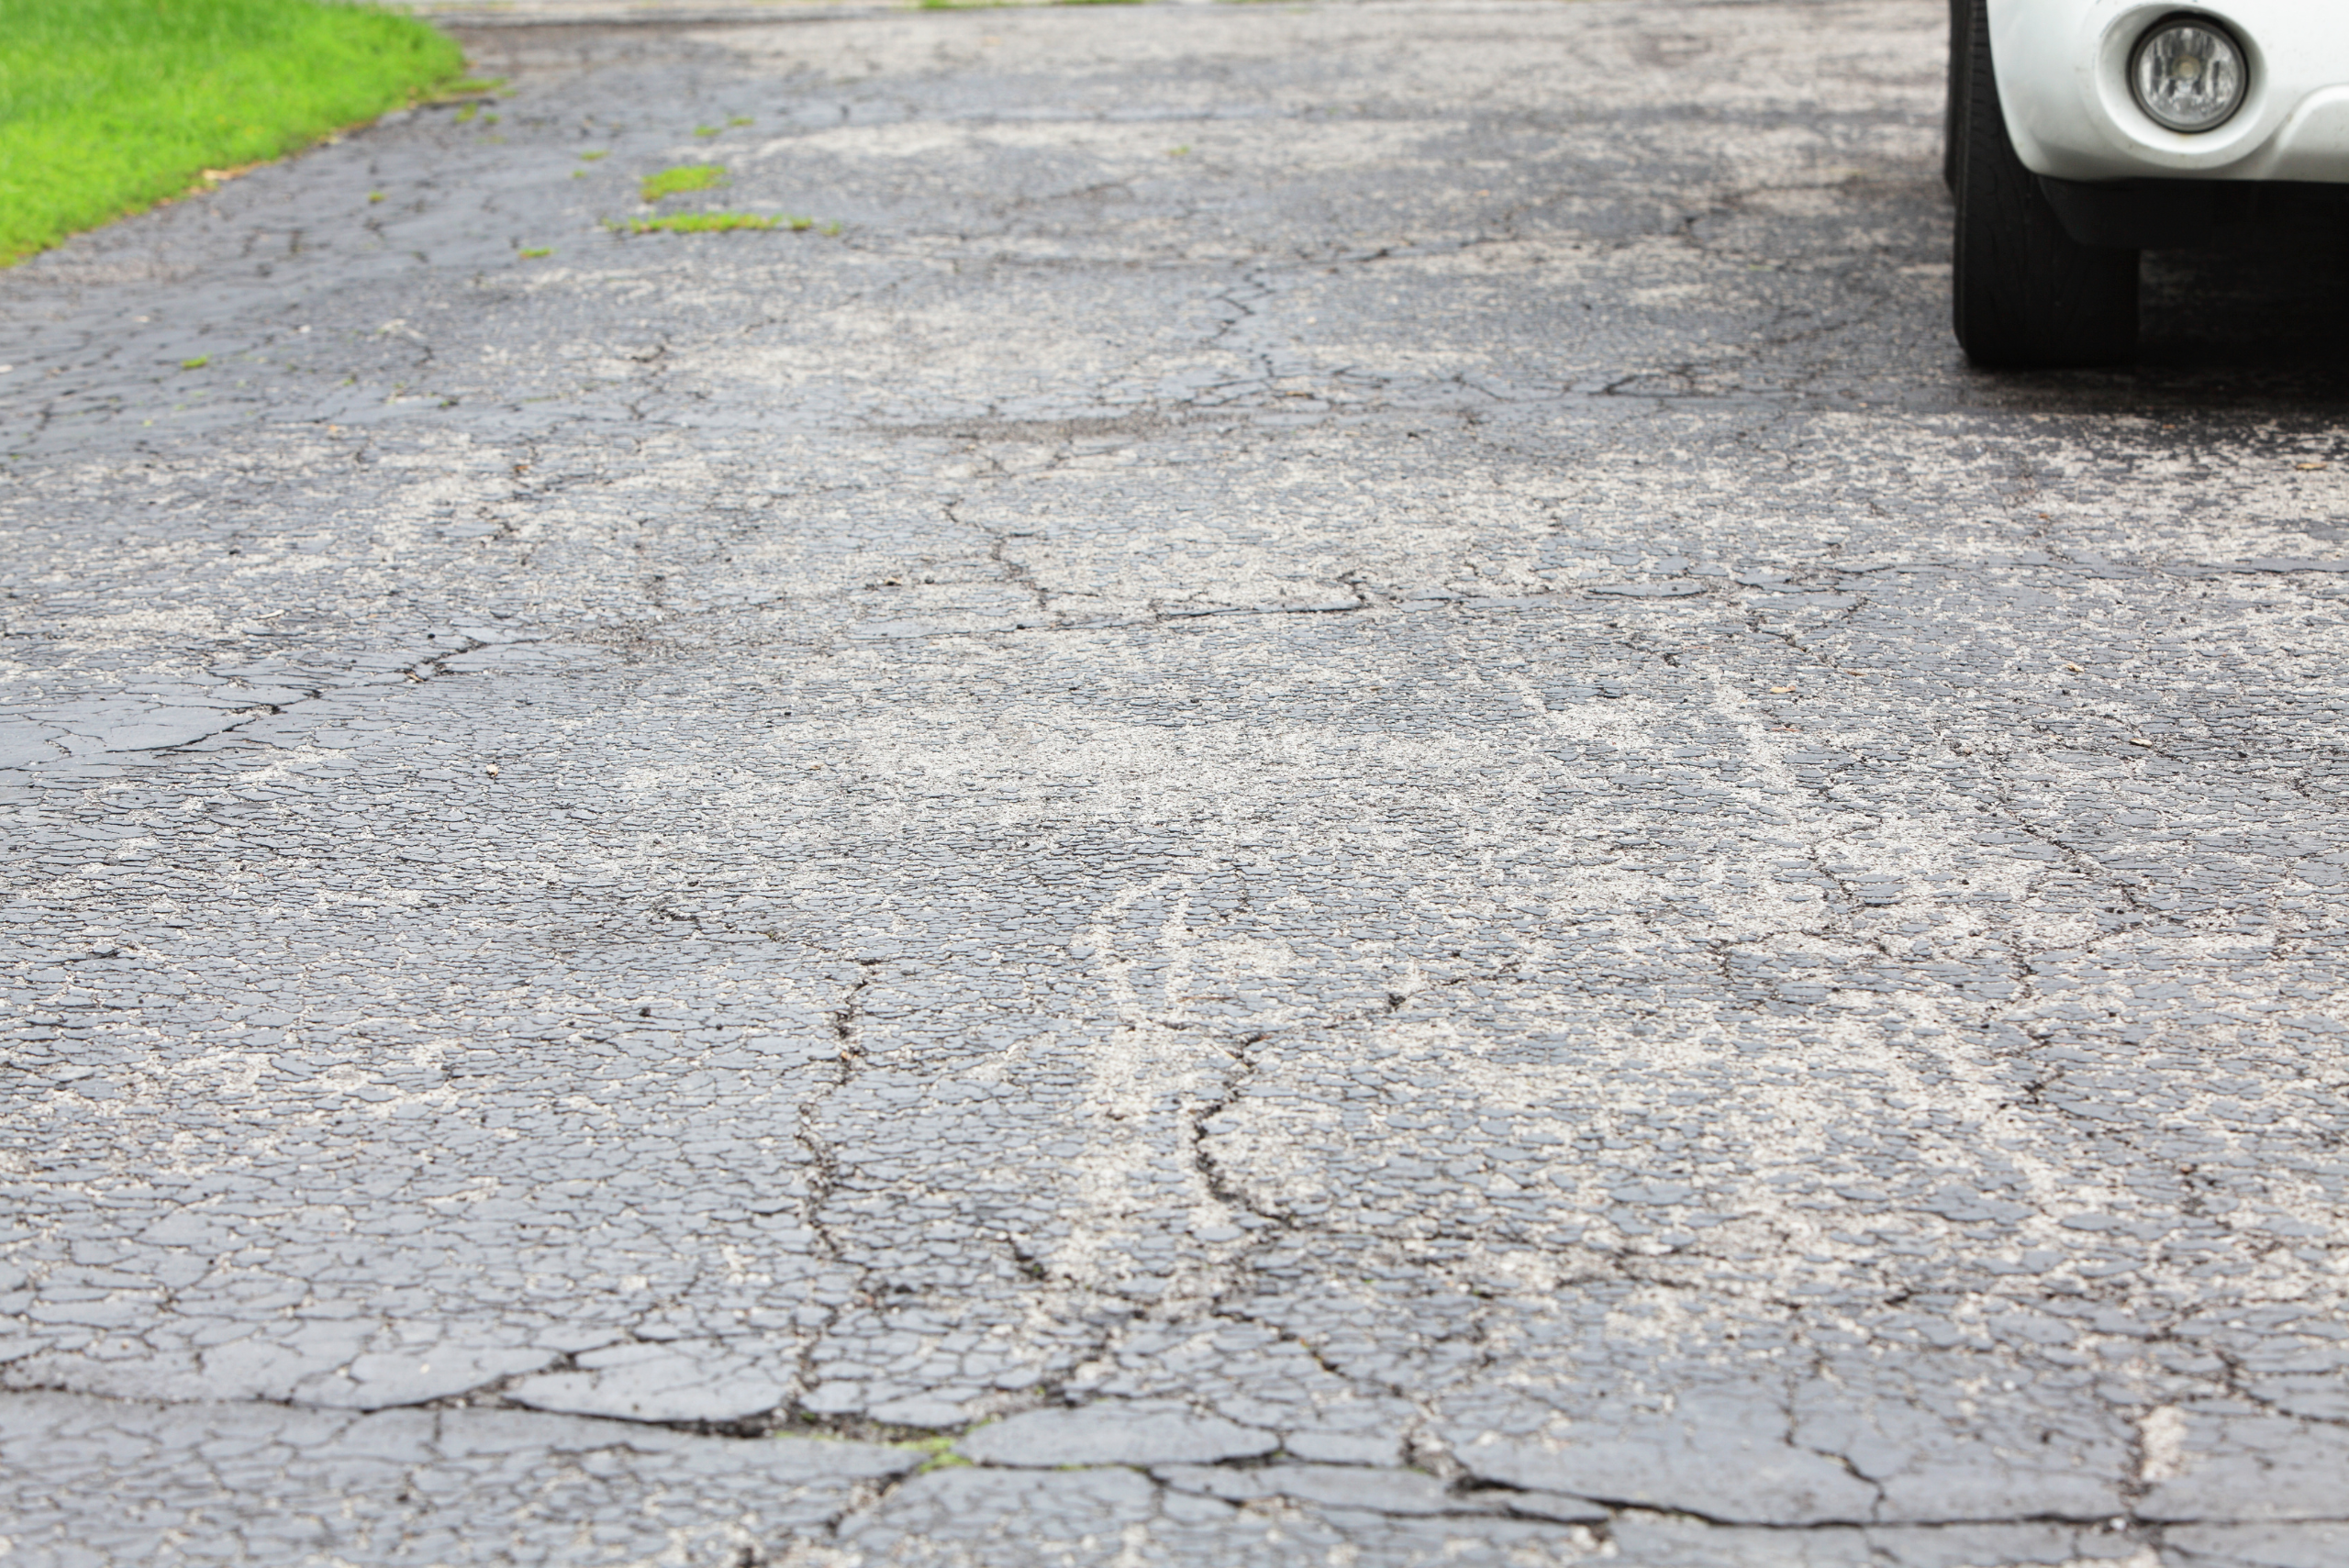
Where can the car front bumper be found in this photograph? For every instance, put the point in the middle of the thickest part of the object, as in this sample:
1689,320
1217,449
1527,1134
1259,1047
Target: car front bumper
2063,82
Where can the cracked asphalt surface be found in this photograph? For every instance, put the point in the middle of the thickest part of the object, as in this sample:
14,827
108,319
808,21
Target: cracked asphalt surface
1339,803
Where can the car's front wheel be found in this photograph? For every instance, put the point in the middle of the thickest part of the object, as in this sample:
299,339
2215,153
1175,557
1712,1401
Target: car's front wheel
2024,292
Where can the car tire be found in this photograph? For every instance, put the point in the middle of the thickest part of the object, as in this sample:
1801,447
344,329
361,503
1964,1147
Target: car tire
1954,105
2024,292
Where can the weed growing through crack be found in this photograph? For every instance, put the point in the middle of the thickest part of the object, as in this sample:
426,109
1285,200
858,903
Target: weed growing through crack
677,182
719,223
600,154
706,223
941,1454
705,130
535,251
196,363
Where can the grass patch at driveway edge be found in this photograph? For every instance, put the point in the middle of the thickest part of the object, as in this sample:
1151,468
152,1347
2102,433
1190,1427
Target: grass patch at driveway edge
109,106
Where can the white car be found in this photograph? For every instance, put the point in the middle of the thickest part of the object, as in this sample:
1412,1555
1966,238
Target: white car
2083,131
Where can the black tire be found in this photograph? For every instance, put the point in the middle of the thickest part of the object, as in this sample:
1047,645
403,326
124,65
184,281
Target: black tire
1954,106
2024,292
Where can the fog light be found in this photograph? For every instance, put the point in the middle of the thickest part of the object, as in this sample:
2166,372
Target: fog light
2188,73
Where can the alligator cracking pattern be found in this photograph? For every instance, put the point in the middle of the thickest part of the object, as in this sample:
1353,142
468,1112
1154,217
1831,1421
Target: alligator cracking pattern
1338,803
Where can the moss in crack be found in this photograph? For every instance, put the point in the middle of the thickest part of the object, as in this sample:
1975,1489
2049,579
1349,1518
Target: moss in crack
681,180
799,1423
940,1455
713,223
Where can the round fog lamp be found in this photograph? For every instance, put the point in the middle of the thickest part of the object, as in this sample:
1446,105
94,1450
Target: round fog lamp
2189,74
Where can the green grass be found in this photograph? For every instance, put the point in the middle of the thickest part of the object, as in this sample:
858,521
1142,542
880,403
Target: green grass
712,223
108,106
677,182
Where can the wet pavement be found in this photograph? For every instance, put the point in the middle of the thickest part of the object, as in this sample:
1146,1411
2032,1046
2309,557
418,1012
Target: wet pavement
1321,792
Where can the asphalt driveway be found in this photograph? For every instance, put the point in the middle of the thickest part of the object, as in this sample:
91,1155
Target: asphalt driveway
1318,792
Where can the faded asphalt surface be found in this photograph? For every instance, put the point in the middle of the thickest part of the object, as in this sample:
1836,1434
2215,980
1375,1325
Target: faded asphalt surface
1339,799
